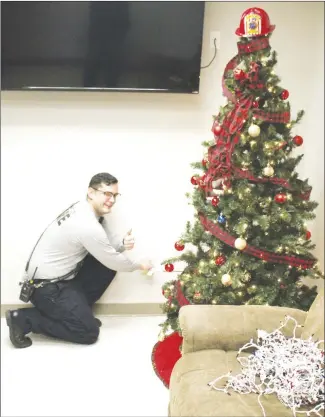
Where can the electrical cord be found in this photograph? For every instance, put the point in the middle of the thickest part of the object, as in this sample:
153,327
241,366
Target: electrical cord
215,54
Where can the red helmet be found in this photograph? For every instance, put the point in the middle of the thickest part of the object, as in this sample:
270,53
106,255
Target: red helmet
254,22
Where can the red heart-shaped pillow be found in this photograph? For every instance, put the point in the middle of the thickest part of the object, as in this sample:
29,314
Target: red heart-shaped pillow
164,356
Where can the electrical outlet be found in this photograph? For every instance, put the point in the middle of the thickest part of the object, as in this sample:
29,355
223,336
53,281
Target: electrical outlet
215,35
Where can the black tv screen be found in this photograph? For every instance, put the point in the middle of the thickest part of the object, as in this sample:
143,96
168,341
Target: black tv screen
101,45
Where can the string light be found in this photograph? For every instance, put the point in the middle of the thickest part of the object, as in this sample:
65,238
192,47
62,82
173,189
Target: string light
291,368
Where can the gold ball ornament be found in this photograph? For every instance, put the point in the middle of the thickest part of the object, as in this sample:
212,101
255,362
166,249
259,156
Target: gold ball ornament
254,130
268,171
240,243
226,280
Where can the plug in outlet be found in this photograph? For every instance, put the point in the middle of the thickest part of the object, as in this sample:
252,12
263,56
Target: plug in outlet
215,35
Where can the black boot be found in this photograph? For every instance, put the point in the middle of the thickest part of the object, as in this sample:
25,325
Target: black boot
17,336
99,323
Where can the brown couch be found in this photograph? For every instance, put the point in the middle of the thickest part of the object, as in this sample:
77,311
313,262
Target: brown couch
212,336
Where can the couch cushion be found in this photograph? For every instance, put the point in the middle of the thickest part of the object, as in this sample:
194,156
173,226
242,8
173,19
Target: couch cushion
314,324
190,394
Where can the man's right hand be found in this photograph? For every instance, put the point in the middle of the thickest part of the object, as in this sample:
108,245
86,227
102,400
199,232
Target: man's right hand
146,265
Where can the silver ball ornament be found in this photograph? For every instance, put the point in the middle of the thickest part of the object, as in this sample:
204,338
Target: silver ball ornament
240,243
268,171
254,130
226,280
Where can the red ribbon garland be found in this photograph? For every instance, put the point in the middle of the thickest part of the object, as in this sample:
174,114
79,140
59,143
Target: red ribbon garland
182,300
253,46
219,155
251,250
279,181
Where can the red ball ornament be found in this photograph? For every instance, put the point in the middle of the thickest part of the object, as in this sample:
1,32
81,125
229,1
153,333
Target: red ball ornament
169,267
239,74
216,129
284,95
215,201
308,235
280,198
220,260
255,104
179,246
204,162
194,180
282,286
298,140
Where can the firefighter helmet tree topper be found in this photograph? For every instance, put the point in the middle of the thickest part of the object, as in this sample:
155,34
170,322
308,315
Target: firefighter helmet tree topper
254,22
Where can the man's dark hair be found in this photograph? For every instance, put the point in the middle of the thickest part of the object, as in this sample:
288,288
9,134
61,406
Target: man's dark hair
102,178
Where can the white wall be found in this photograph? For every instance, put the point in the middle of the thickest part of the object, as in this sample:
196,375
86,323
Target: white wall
53,142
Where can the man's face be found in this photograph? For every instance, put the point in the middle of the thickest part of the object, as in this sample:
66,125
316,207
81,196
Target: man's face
103,197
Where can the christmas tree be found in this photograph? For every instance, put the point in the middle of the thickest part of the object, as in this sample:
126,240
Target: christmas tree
249,242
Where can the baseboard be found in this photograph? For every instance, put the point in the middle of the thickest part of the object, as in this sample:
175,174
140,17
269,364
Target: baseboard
113,309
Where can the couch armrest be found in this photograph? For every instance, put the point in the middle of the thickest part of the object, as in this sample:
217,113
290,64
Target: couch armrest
229,327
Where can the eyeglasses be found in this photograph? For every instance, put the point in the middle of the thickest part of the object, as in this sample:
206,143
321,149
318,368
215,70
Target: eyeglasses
108,194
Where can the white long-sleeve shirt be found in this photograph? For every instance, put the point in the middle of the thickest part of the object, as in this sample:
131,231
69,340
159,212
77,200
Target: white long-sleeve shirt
68,240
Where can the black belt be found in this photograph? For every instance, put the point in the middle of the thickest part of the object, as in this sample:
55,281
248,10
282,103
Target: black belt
40,281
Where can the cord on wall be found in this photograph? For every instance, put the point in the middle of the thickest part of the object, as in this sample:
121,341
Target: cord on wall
214,55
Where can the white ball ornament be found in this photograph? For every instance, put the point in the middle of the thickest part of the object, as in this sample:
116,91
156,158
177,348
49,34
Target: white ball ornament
226,280
240,243
254,130
268,171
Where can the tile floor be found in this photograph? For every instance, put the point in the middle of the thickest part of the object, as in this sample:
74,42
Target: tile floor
113,377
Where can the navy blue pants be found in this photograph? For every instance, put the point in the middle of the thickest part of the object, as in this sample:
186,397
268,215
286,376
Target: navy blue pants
64,310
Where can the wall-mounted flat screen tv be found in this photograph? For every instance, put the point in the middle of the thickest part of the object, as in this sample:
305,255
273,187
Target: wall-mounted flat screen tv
101,45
